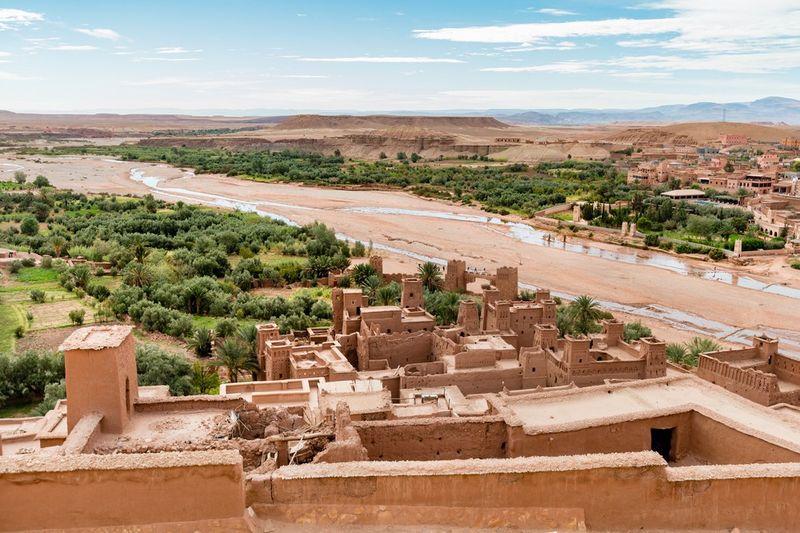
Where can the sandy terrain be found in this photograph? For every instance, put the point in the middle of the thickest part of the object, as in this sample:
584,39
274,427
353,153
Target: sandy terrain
646,291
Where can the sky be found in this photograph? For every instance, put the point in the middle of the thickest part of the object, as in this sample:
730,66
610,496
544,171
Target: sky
348,55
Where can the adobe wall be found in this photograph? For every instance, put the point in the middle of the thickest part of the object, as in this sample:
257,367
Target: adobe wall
786,368
755,385
189,403
432,439
717,443
630,436
619,491
471,382
124,489
398,349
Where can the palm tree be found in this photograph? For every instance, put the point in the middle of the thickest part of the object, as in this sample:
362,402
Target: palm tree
138,275
196,295
58,243
584,313
698,346
362,271
677,353
430,275
370,287
204,378
234,355
139,249
202,342
388,294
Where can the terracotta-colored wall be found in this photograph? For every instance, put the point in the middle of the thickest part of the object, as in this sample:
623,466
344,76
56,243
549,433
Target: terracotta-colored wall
632,436
473,382
432,439
717,443
93,490
613,496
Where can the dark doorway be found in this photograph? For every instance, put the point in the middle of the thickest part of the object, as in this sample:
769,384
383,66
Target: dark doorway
661,442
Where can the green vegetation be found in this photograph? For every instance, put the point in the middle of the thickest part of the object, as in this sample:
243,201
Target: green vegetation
503,189
24,377
796,265
634,331
686,227
688,354
580,317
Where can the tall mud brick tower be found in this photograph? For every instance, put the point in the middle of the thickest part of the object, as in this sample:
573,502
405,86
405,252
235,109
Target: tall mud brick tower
100,365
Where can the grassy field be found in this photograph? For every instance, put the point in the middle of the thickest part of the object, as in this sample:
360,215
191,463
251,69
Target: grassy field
16,305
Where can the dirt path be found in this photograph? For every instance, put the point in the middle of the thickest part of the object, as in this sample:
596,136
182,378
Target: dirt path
482,244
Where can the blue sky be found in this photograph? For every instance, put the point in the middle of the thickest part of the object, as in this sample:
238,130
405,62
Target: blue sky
145,55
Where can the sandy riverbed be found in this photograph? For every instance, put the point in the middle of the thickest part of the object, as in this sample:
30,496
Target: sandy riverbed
482,245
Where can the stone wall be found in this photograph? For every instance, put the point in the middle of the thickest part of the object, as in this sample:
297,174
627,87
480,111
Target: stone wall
40,492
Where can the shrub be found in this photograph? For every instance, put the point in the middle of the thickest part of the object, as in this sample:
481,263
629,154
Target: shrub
41,181
226,328
15,267
651,239
796,265
47,262
29,226
158,367
52,393
716,254
19,332
636,330
98,291
37,296
24,377
76,316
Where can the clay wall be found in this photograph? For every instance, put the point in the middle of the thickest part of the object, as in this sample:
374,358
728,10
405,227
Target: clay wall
123,489
616,492
433,438
755,385
188,403
470,382
786,368
716,443
398,349
596,372
630,436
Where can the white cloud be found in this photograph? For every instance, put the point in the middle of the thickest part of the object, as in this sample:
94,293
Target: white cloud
693,25
100,33
536,32
761,63
555,12
5,54
176,50
167,59
73,48
379,59
303,76
12,18
10,76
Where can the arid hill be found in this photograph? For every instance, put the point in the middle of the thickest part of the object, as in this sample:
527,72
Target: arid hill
386,121
703,132
113,123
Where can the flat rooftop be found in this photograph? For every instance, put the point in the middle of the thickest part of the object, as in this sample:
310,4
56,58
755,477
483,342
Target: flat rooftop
96,338
572,409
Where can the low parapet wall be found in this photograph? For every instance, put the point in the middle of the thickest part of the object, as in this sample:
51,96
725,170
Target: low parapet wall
616,491
189,403
40,492
755,385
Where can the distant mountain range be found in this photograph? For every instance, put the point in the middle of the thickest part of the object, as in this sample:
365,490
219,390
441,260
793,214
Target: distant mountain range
773,109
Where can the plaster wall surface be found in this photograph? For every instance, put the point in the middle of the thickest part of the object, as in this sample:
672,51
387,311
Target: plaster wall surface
616,491
126,489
